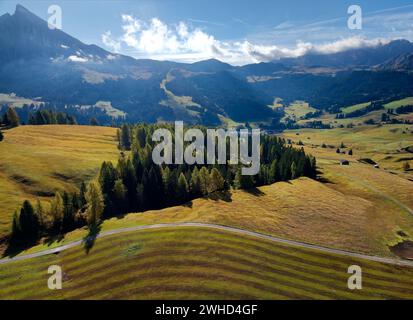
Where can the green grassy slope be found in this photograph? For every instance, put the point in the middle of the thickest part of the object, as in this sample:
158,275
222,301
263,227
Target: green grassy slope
399,103
200,264
383,144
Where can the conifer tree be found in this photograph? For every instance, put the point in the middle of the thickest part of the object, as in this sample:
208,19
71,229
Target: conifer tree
273,172
294,173
204,180
195,183
182,188
169,184
95,204
216,181
243,181
28,222
12,118
119,197
57,212
125,137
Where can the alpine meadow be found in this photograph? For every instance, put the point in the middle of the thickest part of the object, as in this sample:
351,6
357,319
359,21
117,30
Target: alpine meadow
186,151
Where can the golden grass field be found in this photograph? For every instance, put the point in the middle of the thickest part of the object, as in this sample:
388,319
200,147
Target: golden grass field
355,107
297,110
35,161
356,208
376,116
198,263
349,211
398,103
381,143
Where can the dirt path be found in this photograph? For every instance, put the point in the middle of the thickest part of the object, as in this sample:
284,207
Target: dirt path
216,227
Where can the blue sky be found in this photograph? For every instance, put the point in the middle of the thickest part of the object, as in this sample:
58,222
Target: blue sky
238,32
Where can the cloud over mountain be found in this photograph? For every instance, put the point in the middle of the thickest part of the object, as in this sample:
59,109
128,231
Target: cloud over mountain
180,42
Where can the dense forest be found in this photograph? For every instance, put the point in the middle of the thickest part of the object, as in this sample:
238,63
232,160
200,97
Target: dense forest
12,119
53,113
137,184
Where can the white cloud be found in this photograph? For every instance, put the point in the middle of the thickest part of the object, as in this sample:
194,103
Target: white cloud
157,40
74,58
348,43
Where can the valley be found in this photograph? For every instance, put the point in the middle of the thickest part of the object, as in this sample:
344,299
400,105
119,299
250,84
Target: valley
80,187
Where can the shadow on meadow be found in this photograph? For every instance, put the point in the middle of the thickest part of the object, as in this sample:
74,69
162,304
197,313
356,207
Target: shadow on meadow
255,192
224,195
90,239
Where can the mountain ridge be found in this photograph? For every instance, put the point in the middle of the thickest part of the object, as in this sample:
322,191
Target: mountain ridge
39,62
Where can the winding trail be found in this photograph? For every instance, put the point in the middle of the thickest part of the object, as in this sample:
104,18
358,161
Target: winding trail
216,227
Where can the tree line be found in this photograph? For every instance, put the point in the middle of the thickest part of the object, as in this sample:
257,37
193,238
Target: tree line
44,116
11,118
401,110
137,184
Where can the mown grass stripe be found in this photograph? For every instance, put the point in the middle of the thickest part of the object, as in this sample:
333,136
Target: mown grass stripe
220,244
89,261
289,256
248,259
132,264
234,280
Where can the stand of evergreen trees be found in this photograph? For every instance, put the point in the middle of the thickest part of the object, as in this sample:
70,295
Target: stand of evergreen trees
401,110
65,213
137,184
44,116
10,118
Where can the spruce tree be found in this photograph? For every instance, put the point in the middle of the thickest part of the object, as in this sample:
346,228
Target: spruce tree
140,195
243,181
125,140
28,222
273,172
12,118
120,197
294,173
216,181
182,188
204,180
169,183
195,183
95,204
57,213
107,177
141,137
